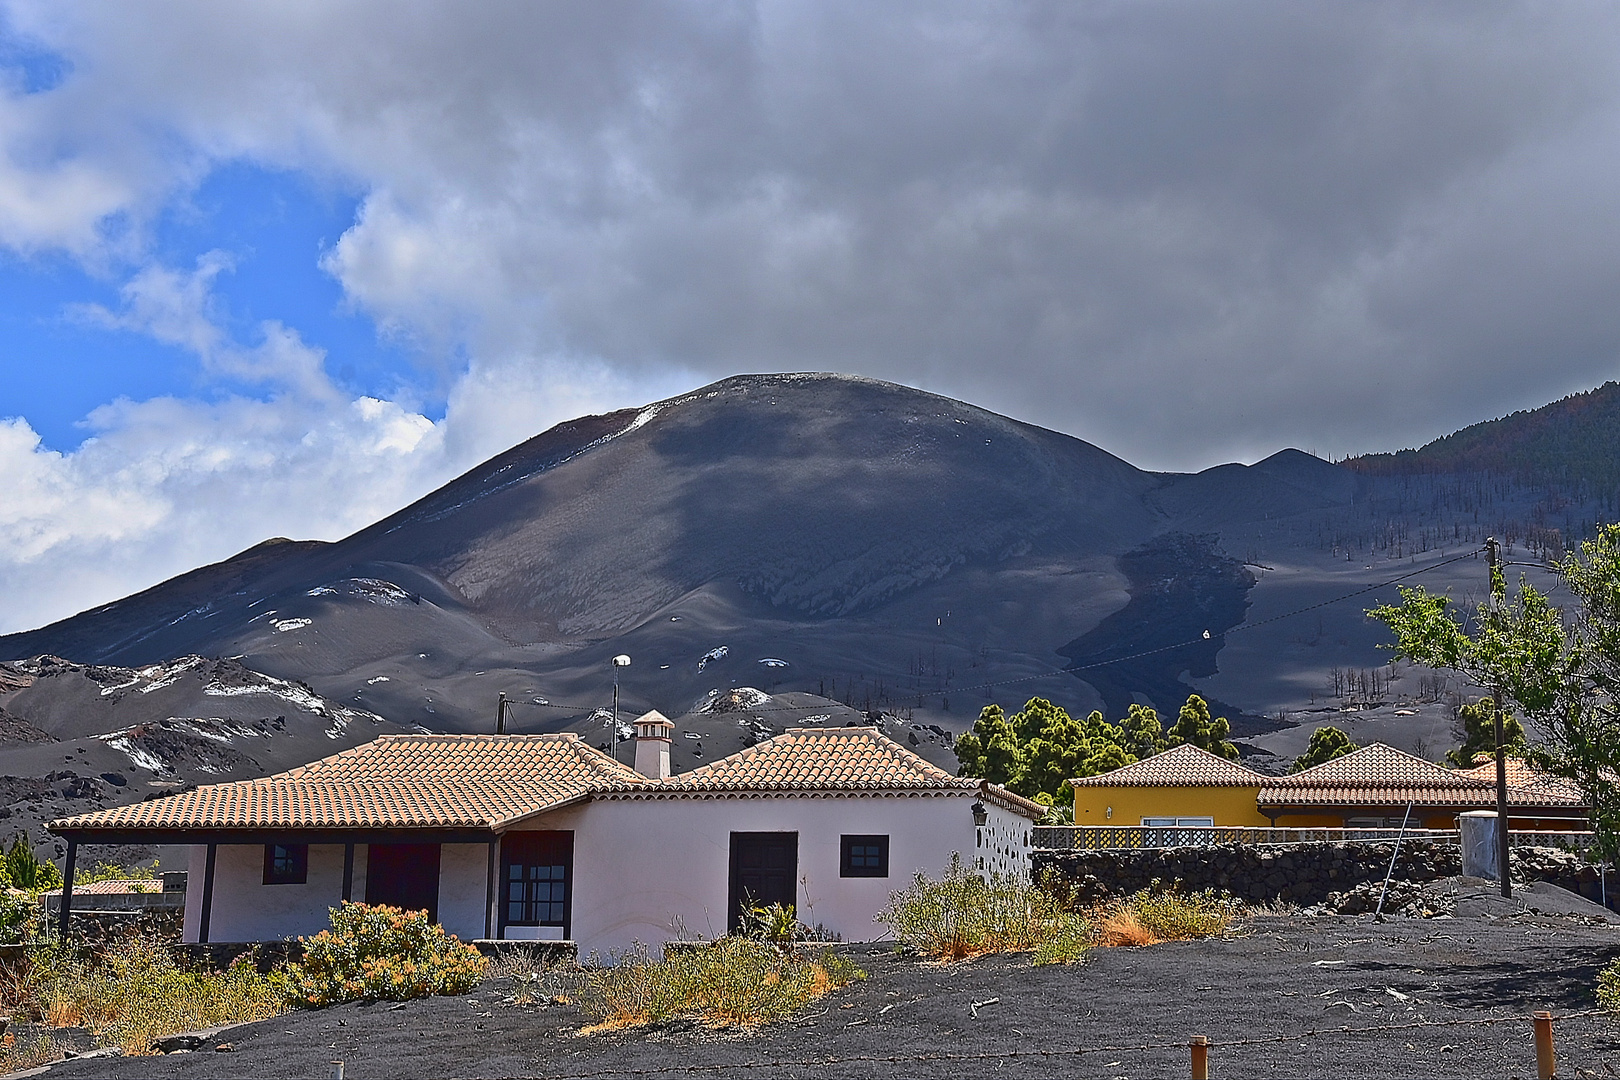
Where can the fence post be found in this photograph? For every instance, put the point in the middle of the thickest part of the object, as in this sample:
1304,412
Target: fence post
1546,1060
1200,1057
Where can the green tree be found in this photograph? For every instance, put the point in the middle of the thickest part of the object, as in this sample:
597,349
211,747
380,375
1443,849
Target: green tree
1479,734
1034,751
1195,726
26,871
1144,734
990,750
1562,675
1327,743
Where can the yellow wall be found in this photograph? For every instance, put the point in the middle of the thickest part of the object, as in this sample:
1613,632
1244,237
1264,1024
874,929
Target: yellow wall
1227,805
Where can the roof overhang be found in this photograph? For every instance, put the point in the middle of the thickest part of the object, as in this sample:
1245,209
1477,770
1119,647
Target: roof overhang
289,835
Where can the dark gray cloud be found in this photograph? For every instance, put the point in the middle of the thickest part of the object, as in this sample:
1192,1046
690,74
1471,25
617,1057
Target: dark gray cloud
1186,231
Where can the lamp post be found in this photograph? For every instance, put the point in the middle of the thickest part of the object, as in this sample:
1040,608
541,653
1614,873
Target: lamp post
618,662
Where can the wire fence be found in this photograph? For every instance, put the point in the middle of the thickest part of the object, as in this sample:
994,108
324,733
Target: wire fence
1017,1053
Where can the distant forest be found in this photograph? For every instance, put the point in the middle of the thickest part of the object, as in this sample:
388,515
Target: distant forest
1540,480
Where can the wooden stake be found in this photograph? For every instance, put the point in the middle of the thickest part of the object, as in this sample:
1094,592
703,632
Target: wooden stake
1546,1059
1200,1057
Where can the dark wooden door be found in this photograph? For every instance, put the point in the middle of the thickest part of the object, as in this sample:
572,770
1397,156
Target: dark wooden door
764,870
404,875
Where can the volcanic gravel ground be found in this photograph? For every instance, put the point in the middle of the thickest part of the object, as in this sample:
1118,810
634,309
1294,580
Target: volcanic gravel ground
1294,981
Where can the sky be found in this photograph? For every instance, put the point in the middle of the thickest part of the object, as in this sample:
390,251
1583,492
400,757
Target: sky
279,269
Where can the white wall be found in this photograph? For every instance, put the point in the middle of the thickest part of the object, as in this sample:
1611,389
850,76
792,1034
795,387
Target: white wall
463,888
642,868
246,909
645,867
1003,844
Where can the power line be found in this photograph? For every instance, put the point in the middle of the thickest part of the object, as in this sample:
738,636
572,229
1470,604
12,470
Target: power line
971,687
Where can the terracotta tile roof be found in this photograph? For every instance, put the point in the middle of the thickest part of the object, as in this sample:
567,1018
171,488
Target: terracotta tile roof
850,759
1384,776
396,781
1526,777
113,888
488,781
1180,766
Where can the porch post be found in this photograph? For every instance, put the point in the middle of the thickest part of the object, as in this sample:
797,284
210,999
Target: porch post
207,896
348,871
489,891
67,887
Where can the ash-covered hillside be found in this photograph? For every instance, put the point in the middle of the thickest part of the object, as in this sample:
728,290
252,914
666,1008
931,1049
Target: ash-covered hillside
832,537
77,737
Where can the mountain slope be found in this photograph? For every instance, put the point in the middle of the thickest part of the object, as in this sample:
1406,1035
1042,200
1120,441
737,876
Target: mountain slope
873,543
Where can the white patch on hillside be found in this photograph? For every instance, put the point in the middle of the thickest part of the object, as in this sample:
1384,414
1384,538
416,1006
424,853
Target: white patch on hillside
284,625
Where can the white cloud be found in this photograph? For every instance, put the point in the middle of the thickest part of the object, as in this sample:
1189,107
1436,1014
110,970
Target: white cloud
1187,232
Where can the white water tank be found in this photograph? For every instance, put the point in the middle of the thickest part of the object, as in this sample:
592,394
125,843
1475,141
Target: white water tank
1479,851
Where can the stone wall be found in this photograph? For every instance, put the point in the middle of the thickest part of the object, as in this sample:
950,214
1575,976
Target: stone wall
1302,874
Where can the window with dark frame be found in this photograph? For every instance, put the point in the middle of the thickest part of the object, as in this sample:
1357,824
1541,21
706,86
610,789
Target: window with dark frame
286,864
537,869
864,856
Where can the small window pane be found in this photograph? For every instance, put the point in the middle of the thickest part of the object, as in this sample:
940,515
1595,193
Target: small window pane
864,856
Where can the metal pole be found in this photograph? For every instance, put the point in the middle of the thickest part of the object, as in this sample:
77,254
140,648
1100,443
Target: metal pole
1491,558
500,715
1379,914
615,711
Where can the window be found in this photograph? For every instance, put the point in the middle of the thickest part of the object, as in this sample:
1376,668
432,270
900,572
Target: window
1178,822
537,871
864,856
286,864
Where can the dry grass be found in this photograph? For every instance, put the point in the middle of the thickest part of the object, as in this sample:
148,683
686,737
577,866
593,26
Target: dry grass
963,915
19,1054
132,992
733,982
1152,916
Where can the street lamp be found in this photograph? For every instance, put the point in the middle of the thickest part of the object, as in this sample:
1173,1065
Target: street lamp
618,662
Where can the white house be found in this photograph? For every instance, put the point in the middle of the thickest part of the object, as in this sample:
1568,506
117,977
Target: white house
544,837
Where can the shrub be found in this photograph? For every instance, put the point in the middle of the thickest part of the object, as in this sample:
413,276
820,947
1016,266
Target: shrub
1155,915
382,953
963,915
734,981
20,918
1608,991
132,991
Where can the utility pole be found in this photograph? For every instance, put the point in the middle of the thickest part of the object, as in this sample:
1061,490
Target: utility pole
500,715
618,662
1492,561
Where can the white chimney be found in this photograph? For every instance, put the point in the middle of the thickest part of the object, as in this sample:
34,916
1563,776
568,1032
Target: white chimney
653,734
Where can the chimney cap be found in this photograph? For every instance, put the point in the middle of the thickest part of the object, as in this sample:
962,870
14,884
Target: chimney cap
653,725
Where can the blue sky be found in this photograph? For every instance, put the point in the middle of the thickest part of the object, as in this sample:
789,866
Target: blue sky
274,225
279,269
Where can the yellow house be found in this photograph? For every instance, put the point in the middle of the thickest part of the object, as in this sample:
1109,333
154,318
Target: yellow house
1184,786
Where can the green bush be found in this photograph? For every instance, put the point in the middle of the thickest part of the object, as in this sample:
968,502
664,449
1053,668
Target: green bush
382,953
20,918
964,914
1608,992
734,981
